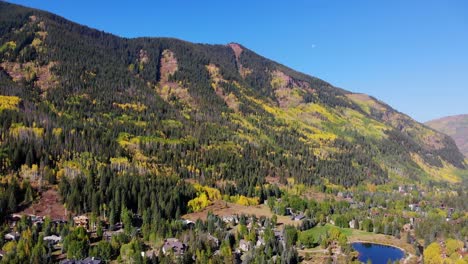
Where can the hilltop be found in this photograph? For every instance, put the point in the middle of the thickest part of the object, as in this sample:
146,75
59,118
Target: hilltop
454,126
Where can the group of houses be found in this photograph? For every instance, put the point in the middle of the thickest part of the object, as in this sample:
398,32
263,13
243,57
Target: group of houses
13,235
54,240
179,247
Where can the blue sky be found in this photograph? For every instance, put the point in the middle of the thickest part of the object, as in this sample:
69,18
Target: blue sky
412,54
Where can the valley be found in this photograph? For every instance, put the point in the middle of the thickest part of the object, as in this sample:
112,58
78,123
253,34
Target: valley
159,150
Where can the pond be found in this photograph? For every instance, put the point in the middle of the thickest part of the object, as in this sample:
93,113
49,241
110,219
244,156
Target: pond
378,254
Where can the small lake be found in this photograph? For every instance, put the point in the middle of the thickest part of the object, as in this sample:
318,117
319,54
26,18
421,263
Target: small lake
378,254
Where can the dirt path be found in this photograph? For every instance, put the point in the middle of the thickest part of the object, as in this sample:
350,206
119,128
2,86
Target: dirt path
222,208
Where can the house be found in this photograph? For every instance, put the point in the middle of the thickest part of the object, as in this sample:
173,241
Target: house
260,242
278,234
213,240
89,260
414,207
53,239
13,219
81,221
116,226
298,217
2,253
151,254
407,227
230,219
12,236
352,224
58,221
188,223
108,234
244,245
289,211
450,211
36,220
173,245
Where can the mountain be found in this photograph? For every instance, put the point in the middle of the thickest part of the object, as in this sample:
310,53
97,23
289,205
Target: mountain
454,126
78,103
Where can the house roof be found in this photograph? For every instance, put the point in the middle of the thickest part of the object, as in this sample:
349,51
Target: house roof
53,238
299,216
12,235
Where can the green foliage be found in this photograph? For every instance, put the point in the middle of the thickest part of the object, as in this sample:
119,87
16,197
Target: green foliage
310,238
290,236
103,251
130,253
76,244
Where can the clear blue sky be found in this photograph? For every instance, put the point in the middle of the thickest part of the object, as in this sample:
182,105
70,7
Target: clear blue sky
412,54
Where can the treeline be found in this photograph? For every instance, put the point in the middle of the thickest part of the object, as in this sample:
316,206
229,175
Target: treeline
104,194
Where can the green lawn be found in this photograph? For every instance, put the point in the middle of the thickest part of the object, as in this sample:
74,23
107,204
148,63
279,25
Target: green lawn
313,236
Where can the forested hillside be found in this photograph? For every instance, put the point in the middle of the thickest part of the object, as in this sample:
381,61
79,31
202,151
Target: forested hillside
110,146
107,118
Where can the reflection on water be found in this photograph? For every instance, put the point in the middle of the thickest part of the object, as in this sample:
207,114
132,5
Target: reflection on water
378,254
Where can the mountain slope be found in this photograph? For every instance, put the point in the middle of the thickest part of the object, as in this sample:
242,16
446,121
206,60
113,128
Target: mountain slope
454,126
77,101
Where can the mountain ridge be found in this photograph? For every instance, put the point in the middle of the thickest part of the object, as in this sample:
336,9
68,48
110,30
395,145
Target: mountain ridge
455,126
168,106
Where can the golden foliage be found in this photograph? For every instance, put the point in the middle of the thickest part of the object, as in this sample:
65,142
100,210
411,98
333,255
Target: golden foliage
18,130
243,200
432,254
9,102
205,197
138,107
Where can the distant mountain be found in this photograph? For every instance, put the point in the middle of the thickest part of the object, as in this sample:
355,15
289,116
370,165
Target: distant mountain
454,126
78,102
